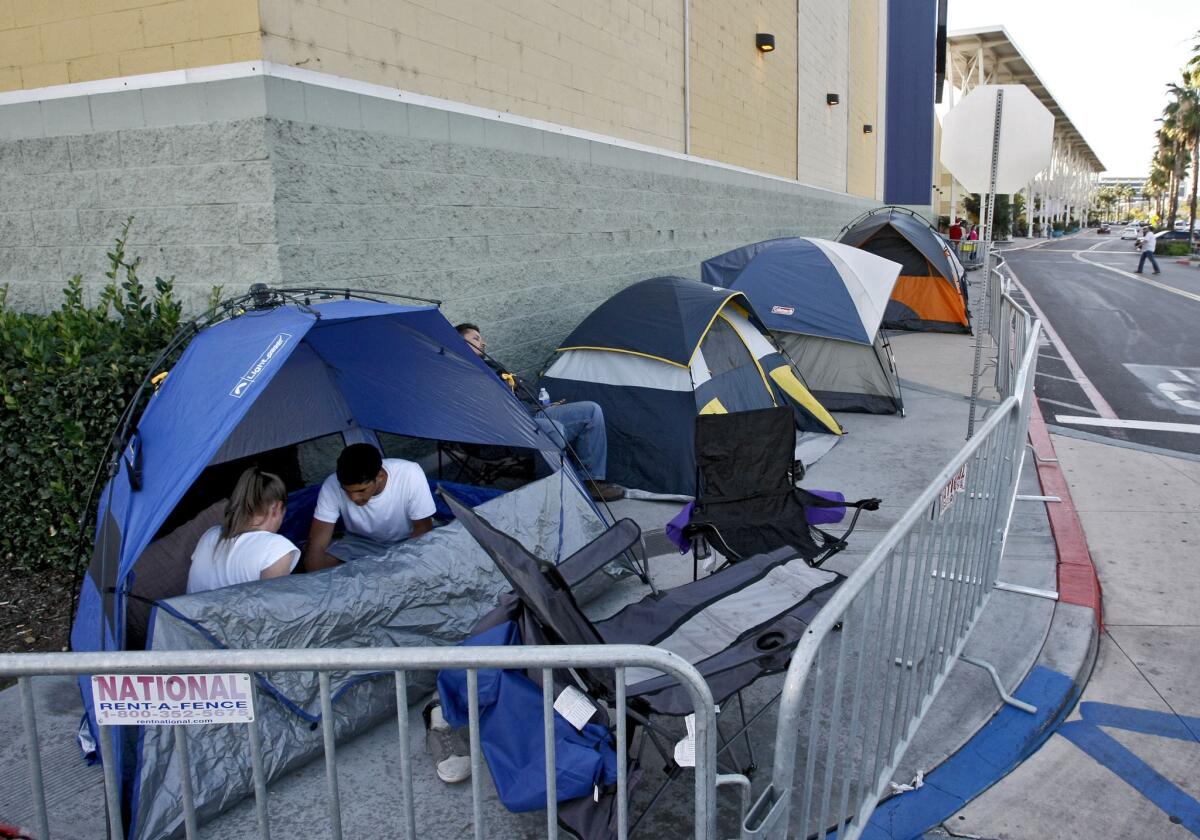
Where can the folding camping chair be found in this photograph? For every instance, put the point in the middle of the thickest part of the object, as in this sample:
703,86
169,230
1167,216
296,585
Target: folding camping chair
734,626
747,501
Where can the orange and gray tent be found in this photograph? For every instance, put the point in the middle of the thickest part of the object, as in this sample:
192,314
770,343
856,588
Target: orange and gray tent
931,292
661,351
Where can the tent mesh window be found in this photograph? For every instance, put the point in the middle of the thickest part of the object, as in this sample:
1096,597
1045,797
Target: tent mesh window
890,244
724,349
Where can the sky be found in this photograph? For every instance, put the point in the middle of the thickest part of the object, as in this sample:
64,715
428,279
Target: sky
1107,63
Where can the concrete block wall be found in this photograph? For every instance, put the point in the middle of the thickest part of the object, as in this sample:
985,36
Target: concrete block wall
519,230
522,230
201,194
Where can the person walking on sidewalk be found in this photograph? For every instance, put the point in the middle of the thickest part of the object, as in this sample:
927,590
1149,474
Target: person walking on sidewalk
1148,240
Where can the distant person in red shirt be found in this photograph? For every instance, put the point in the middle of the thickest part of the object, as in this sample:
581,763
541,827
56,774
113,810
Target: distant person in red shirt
956,231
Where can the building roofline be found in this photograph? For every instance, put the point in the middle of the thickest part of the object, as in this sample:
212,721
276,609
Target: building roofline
1046,96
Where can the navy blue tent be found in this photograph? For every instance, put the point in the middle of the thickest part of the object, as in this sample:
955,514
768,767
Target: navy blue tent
823,301
661,351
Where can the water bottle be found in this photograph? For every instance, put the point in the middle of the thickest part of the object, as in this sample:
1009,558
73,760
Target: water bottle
544,397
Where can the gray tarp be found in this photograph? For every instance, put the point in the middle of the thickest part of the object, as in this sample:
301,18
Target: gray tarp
427,592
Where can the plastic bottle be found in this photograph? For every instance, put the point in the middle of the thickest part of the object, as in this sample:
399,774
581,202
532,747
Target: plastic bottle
544,397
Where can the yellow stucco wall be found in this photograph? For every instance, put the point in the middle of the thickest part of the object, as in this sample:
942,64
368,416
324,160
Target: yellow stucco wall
54,42
744,102
864,97
614,68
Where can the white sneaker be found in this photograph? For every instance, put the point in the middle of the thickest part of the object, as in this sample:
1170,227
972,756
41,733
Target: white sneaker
448,746
456,768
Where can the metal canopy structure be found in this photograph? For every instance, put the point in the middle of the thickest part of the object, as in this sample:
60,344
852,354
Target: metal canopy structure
989,56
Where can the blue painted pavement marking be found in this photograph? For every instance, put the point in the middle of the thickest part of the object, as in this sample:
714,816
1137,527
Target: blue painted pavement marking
1130,768
1007,740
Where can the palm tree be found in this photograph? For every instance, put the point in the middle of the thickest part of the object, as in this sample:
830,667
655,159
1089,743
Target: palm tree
1125,194
1156,185
1186,122
1171,156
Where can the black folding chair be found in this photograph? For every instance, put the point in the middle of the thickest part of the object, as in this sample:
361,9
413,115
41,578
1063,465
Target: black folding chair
734,626
747,501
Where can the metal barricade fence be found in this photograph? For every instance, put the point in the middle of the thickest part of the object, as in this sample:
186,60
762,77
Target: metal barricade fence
1010,329
869,667
399,660
970,252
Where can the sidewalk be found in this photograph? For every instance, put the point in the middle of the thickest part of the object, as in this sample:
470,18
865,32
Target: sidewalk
1127,762
886,456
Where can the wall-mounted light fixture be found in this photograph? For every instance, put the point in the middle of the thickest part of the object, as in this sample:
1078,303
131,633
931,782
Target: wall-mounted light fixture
765,42
832,99
868,128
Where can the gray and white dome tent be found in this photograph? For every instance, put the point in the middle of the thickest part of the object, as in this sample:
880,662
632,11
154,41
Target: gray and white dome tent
823,302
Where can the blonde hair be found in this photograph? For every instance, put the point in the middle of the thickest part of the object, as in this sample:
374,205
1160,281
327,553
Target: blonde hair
252,496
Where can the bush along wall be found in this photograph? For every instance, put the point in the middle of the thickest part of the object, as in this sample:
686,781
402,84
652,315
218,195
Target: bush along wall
1172,249
67,378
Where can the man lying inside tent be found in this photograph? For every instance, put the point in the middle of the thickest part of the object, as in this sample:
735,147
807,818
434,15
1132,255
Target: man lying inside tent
383,500
580,425
247,544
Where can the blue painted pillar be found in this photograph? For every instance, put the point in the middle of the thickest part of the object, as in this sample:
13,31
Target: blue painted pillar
908,149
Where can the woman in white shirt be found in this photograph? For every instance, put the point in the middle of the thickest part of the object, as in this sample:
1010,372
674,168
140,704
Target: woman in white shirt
246,545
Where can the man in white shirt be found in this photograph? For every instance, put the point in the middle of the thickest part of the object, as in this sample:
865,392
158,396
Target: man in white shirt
1148,240
384,500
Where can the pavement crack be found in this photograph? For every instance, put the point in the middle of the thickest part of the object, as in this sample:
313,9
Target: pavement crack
1142,674
1168,461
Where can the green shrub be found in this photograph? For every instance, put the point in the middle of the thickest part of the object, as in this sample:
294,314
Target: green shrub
1172,249
66,379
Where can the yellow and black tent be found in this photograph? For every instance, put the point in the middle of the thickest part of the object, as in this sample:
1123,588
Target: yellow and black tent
661,351
931,292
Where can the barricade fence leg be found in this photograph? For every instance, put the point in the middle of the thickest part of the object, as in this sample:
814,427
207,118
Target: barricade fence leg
328,725
548,735
185,781
112,793
256,767
406,777
36,782
476,764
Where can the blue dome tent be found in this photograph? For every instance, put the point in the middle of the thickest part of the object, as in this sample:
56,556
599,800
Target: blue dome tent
823,302
271,375
661,351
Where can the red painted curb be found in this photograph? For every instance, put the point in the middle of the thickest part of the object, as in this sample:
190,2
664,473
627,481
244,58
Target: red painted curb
1077,580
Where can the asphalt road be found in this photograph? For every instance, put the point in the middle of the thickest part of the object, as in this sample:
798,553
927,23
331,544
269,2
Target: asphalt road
1122,356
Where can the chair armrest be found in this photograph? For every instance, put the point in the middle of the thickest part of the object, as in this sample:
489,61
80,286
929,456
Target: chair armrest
599,552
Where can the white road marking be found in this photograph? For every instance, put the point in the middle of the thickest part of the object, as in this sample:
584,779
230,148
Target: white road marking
1052,376
1089,390
1064,404
1180,375
1145,425
1174,391
1140,278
